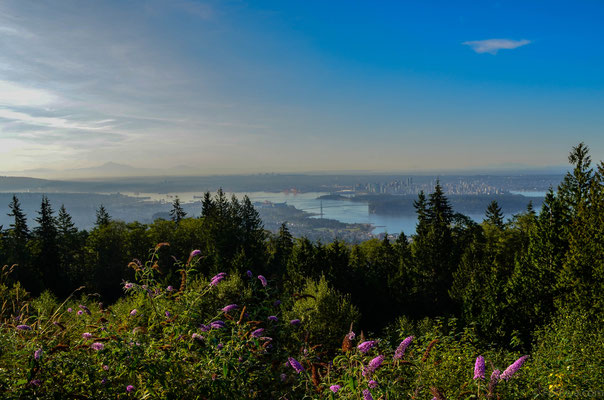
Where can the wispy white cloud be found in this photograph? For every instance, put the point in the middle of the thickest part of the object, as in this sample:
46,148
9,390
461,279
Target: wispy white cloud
50,122
14,94
492,46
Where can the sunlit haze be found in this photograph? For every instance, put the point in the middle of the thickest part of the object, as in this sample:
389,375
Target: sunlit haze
208,87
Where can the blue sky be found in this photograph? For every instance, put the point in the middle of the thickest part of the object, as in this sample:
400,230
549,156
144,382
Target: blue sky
277,86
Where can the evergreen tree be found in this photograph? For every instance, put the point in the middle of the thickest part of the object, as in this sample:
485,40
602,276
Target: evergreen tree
102,217
19,229
208,207
494,214
177,213
65,225
18,236
46,252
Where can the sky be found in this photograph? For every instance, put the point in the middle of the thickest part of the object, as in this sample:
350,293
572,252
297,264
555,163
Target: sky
299,86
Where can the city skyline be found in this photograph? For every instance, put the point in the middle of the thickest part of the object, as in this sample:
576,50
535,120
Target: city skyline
250,87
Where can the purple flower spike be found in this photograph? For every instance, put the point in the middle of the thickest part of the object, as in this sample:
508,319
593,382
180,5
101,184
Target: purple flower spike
249,273
262,280
351,335
128,285
97,346
216,279
257,333
170,288
129,388
335,388
372,384
512,369
479,368
134,312
230,307
196,336
217,325
367,395
195,253
295,365
400,350
366,346
295,322
80,312
204,328
85,309
273,318
24,327
37,354
87,335
373,366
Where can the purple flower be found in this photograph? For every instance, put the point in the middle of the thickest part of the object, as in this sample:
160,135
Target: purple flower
479,368
85,309
70,309
194,253
351,335
366,346
367,395
257,332
373,366
335,388
219,346
372,384
493,382
24,327
217,324
104,381
249,273
106,367
273,318
230,307
128,285
216,279
512,369
196,336
262,280
295,365
204,328
87,335
167,314
129,388
170,288
400,350
295,322
97,346
134,312
37,354
35,382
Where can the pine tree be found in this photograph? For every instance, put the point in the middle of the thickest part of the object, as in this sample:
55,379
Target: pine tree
65,225
177,213
19,229
440,210
208,208
494,214
46,252
18,236
102,217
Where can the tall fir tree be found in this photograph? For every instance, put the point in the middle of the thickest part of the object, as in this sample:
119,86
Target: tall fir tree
177,213
102,217
494,215
46,257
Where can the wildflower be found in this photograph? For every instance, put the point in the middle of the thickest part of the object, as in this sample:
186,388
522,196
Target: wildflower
493,382
512,369
295,365
367,395
217,325
97,346
295,322
335,388
400,350
204,328
479,368
104,381
35,382
230,307
128,285
24,327
167,314
262,280
351,335
194,253
80,312
87,335
129,388
216,279
70,309
106,367
134,312
37,354
372,384
273,318
219,346
85,309
366,346
373,365
170,288
196,336
257,332
249,273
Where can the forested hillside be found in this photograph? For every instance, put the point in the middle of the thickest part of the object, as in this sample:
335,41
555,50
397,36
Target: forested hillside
214,306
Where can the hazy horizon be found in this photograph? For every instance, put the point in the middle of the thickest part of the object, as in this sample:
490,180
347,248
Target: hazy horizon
235,87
